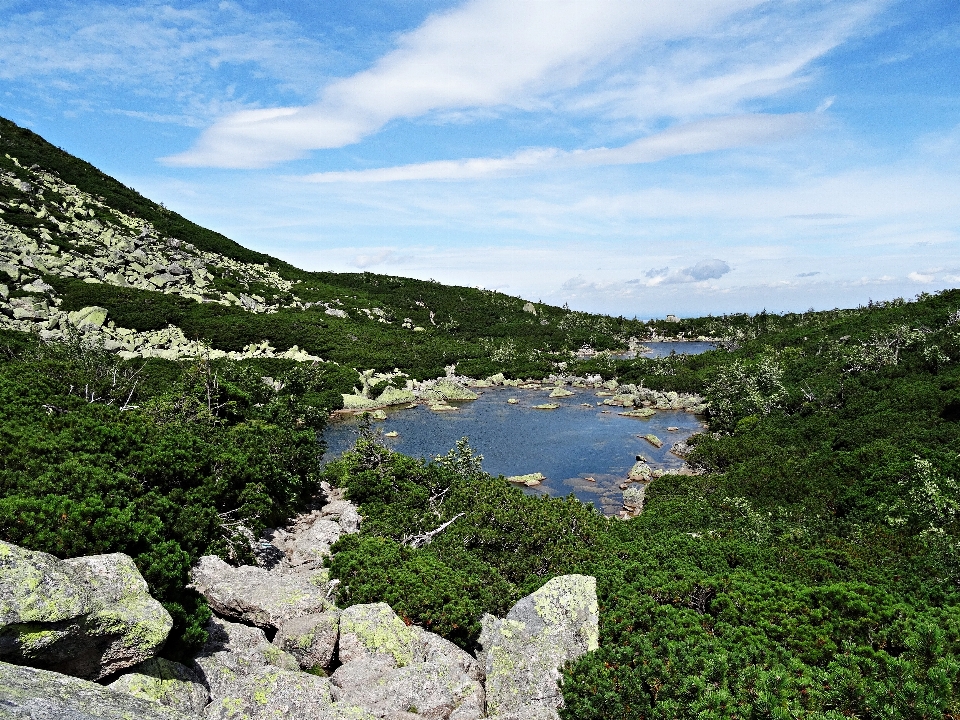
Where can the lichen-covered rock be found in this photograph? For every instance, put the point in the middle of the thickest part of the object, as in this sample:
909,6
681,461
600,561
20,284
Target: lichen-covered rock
89,617
166,682
311,639
250,678
257,596
447,389
368,631
31,694
344,512
529,479
641,472
524,652
560,392
312,545
88,317
642,413
390,668
395,396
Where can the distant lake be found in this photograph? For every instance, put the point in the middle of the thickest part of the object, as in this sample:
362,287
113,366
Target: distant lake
567,445
663,349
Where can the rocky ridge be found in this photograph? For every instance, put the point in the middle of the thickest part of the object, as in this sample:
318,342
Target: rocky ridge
80,237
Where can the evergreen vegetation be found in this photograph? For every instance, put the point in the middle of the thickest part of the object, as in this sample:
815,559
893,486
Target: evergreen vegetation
812,569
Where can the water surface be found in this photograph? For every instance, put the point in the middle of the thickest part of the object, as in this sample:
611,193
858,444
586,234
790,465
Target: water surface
663,349
578,440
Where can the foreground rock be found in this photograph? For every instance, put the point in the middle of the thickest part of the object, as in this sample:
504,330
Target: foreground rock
32,694
524,652
89,617
394,670
252,679
257,596
165,682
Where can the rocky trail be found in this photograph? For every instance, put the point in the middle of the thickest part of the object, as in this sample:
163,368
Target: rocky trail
80,639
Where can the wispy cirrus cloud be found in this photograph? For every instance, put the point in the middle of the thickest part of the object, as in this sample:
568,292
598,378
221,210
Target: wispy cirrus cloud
695,60
690,139
190,55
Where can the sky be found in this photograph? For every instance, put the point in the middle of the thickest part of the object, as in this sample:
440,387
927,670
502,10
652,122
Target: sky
632,157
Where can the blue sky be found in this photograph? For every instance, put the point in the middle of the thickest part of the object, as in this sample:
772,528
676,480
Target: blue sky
625,156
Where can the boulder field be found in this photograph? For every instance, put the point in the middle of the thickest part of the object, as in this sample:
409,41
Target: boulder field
278,645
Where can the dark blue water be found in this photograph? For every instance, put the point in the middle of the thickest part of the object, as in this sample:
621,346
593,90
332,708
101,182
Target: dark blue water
663,349
567,445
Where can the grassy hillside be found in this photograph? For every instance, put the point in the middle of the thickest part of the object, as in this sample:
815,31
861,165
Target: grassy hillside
52,198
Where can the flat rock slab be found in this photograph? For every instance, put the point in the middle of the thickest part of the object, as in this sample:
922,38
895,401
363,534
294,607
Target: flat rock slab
166,682
31,694
89,617
524,652
257,596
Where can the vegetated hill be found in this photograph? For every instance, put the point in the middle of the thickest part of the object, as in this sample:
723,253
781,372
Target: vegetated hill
811,570
96,242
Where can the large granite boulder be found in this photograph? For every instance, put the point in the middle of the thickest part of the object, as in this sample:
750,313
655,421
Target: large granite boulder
257,596
311,639
31,694
250,678
523,653
394,670
89,617
166,682
445,389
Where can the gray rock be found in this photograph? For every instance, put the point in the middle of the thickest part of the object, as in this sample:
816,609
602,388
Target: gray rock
32,694
257,596
312,545
165,682
89,617
311,639
252,679
177,269
345,513
523,653
390,668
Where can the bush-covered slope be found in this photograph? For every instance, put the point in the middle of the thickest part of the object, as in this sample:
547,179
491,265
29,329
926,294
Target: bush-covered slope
98,242
161,460
810,571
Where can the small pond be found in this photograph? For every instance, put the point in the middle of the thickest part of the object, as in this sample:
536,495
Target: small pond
663,349
580,439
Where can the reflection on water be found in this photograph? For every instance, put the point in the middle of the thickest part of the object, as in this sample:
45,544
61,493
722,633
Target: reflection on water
663,349
578,440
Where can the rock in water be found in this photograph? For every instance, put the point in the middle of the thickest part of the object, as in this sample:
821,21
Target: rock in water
524,652
31,694
165,682
89,617
257,596
450,390
560,392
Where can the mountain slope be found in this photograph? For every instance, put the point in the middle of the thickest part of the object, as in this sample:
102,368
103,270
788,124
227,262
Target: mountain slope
93,242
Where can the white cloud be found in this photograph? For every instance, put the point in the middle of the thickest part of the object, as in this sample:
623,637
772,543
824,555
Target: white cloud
520,54
188,56
381,257
690,139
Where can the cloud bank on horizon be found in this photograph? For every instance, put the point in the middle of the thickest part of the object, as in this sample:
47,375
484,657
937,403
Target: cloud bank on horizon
629,156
